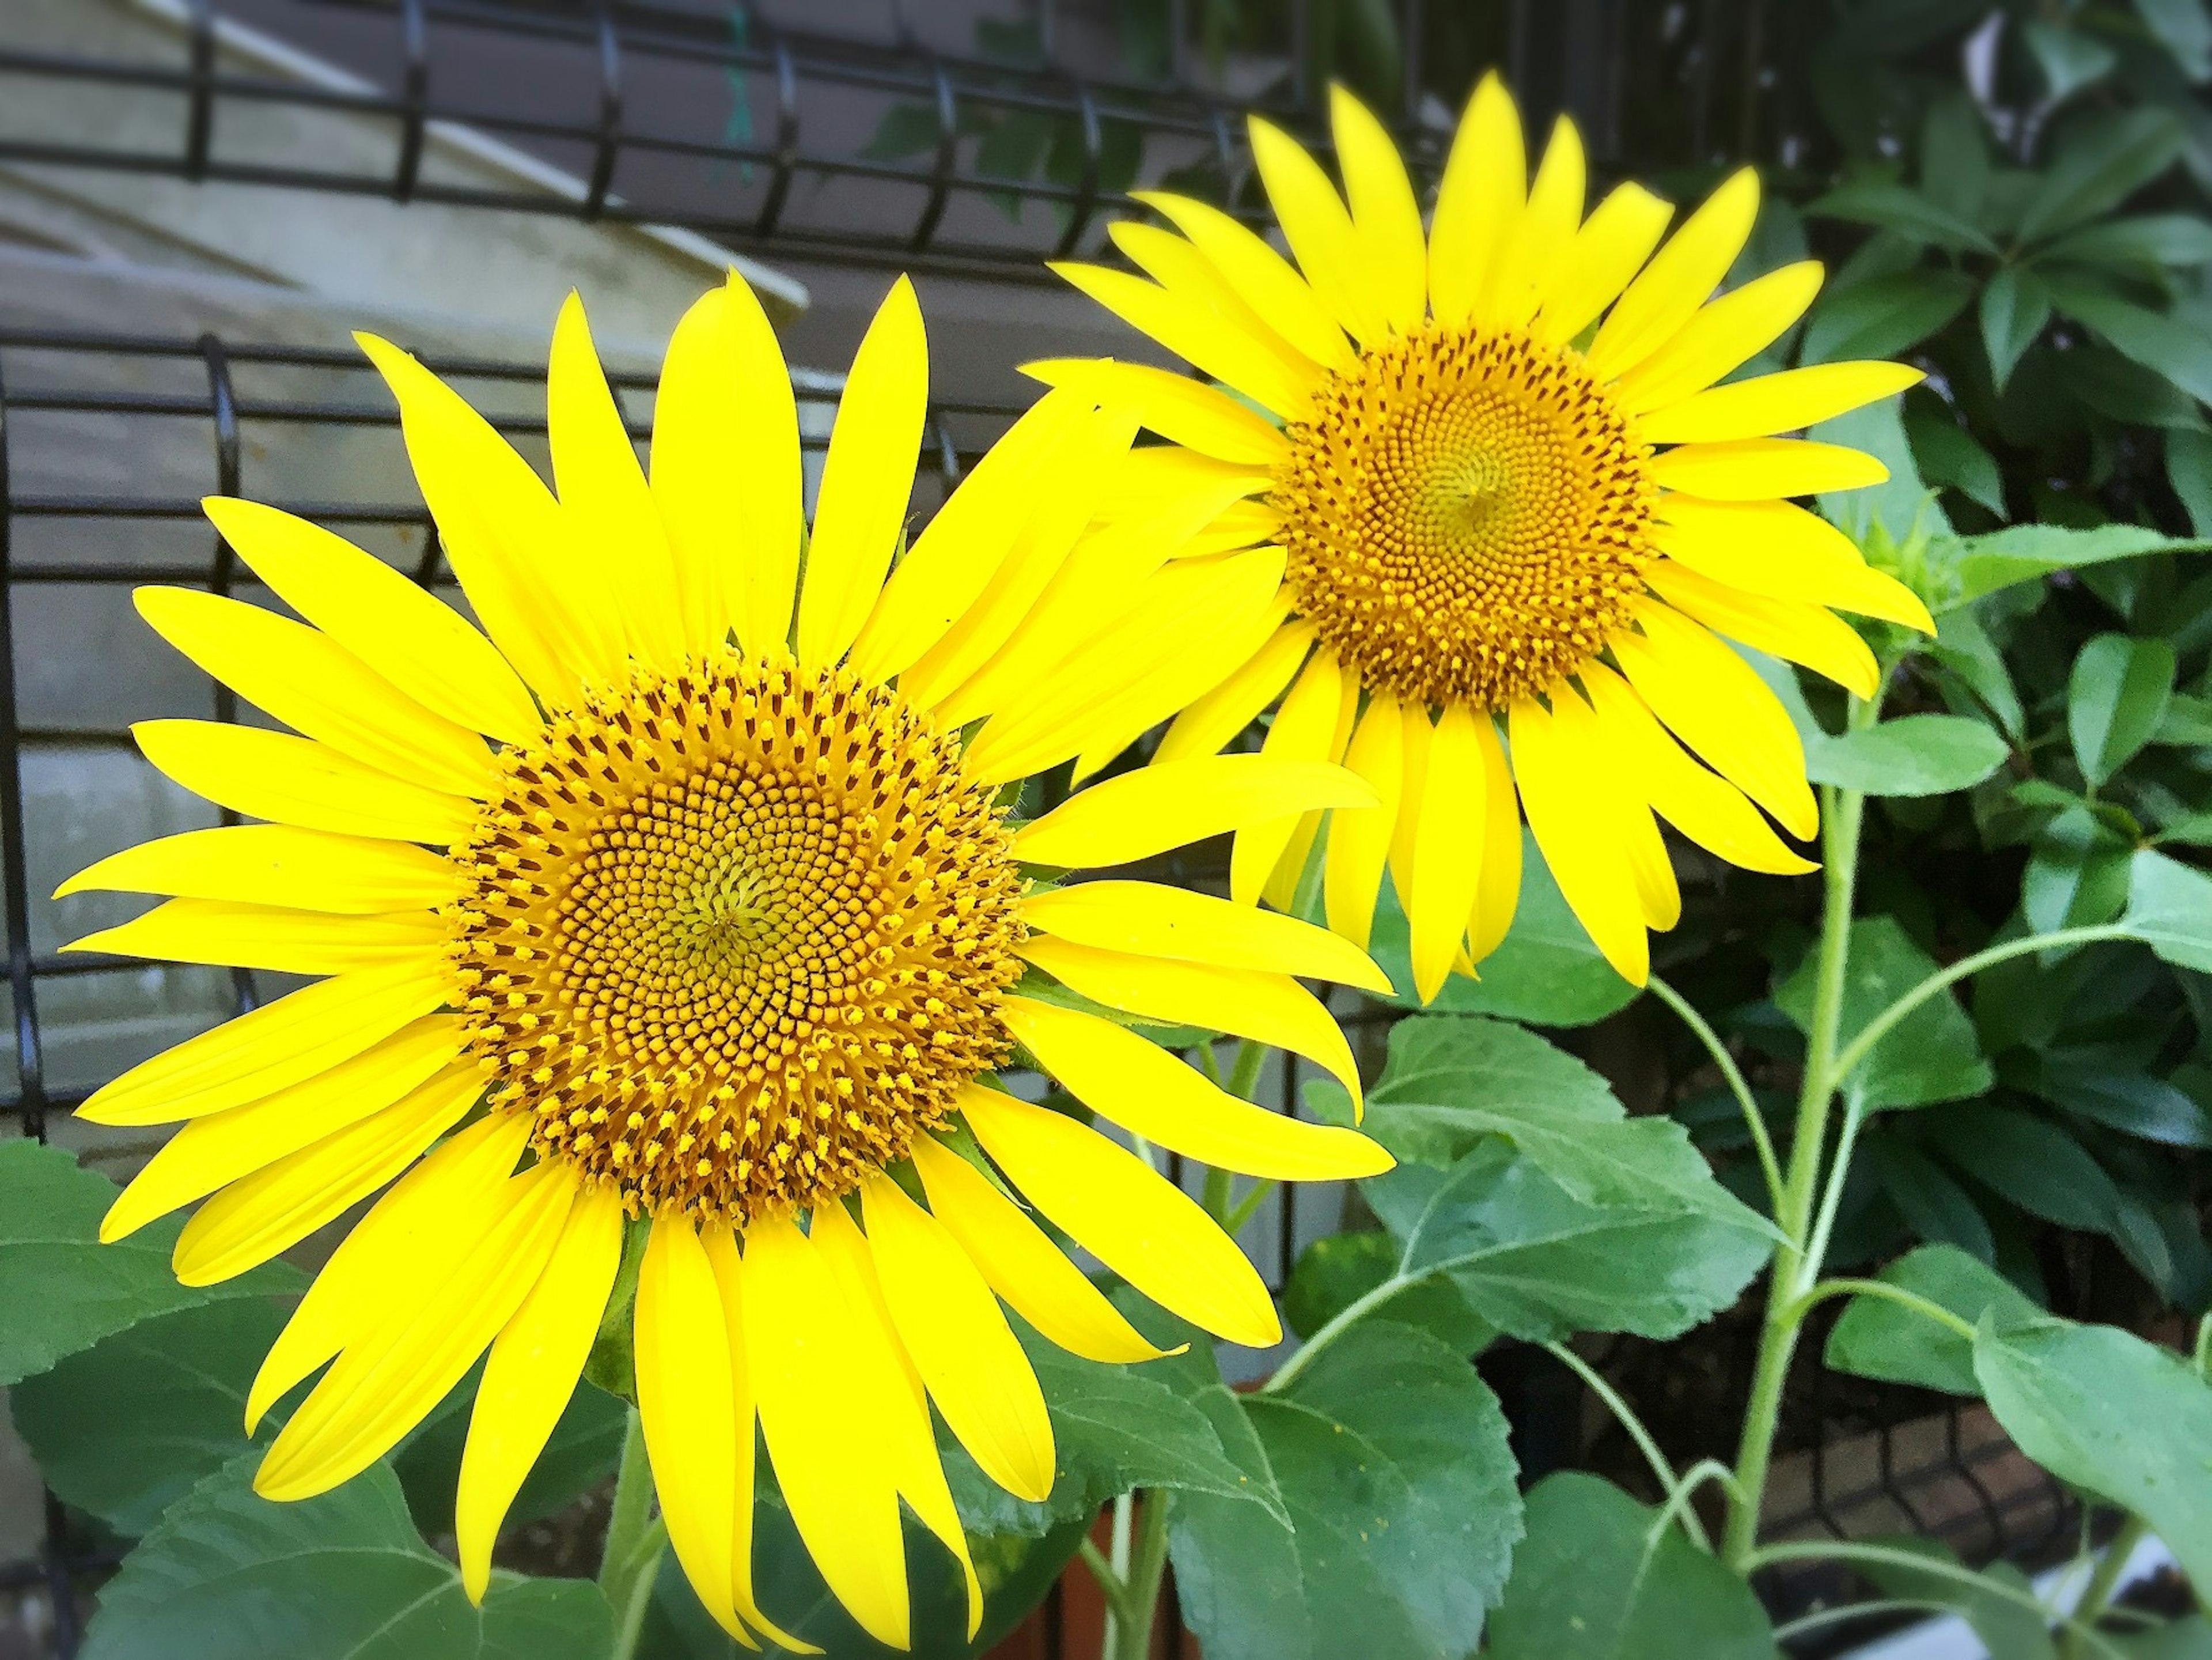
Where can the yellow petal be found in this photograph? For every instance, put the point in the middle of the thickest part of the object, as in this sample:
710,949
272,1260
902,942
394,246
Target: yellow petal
1787,629
1705,807
1207,724
1561,794
1119,1209
1048,500
1281,888
1498,892
1386,220
530,1374
1768,404
1196,334
1359,838
1169,804
1619,812
808,1363
687,1403
220,1147
604,500
1022,1264
1529,258
1149,1092
418,644
390,1376
866,478
1187,412
1299,736
1479,202
1717,704
1195,621
1268,1008
1613,244
272,774
271,1048
524,572
1260,274
1239,525
277,865
1417,732
1756,469
1318,230
273,1209
946,1316
1152,921
1448,847
1723,335
408,1236
1778,549
227,932
1680,278
726,471
1185,272
311,683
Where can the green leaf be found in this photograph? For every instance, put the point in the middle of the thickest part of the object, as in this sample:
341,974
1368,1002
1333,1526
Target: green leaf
123,1429
2185,30
1540,1264
2020,553
1884,316
1888,206
1954,154
2105,160
63,1289
2170,909
2069,59
1933,1054
1391,1457
2188,1638
2008,1625
1949,455
2187,723
2161,342
2188,469
1933,1205
2077,873
1913,755
1336,1271
583,1450
228,1575
1878,1338
2104,1410
2153,240
2015,307
1546,971
2030,1161
1597,1579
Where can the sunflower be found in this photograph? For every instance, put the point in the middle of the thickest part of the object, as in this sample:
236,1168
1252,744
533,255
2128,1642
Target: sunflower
673,911
1519,511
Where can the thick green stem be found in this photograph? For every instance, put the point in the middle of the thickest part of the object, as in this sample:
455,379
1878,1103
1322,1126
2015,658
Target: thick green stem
1119,1613
1842,813
1148,1562
630,1560
2098,1597
1732,1074
1920,1305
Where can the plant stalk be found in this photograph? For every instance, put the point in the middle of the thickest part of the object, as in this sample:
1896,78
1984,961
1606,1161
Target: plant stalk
2098,1597
630,1560
1147,1568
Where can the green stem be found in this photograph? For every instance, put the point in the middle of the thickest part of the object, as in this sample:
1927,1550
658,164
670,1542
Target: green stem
2102,1584
1839,1550
630,1560
1842,813
1120,1614
1645,1443
1148,1564
1839,1168
1883,1024
1920,1305
1805,1624
1241,1212
1753,1120
1110,1583
1250,1057
1216,1197
1677,1507
1292,1369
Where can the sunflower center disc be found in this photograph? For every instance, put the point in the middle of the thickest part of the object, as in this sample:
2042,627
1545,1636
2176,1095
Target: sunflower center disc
1466,514
735,936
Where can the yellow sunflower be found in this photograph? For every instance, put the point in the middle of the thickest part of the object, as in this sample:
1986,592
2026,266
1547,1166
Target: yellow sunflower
1519,511
676,896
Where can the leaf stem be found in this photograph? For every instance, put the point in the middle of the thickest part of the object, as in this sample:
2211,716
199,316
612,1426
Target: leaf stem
1645,1441
2098,1595
1110,1583
1250,1057
1753,1120
1241,1212
630,1560
1351,1315
1839,1169
1148,1564
1120,1614
1898,1294
1677,1507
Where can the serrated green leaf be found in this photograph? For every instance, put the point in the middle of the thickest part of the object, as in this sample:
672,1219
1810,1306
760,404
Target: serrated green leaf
1933,1054
229,1575
1391,1457
1913,755
1878,1338
2104,1410
63,1289
1336,1271
1598,1579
